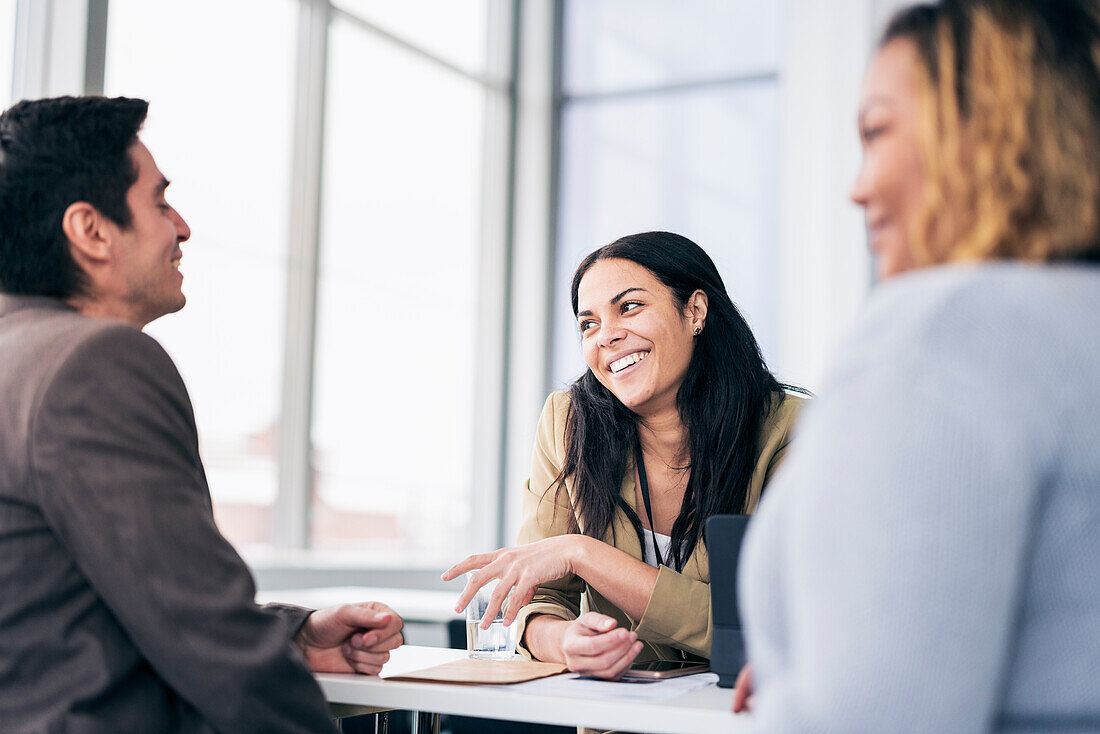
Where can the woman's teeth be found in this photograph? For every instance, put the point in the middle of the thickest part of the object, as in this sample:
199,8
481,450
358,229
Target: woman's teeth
621,364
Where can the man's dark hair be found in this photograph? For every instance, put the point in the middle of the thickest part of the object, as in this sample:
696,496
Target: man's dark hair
53,153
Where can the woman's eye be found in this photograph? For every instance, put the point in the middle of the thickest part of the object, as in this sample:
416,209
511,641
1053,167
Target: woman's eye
630,306
586,325
870,133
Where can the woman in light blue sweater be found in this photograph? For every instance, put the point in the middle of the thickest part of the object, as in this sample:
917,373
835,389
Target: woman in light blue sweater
928,559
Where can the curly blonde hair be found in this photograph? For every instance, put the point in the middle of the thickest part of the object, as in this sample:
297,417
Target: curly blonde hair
1009,129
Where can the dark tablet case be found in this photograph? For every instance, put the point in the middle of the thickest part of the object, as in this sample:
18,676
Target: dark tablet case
727,652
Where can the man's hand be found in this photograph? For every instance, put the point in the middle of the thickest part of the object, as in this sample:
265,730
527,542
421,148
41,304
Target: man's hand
352,638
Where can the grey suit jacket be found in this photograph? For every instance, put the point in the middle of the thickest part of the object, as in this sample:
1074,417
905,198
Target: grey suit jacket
122,608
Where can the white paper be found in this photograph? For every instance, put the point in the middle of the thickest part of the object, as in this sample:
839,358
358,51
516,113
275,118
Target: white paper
570,684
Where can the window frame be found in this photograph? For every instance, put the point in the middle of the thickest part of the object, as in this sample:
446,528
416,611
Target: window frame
291,542
60,49
290,561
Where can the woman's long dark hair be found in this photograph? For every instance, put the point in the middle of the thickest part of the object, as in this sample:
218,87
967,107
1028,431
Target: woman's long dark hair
725,397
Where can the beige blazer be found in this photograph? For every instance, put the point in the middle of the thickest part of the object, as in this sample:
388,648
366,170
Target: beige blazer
677,616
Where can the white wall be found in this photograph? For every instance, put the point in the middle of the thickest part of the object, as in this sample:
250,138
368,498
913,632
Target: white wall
823,254
827,267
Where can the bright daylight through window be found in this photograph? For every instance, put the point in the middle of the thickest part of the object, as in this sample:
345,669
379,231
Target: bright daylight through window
394,413
398,291
662,134
220,128
7,48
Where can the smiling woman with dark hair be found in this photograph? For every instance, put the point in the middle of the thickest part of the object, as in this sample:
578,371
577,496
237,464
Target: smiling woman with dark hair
676,419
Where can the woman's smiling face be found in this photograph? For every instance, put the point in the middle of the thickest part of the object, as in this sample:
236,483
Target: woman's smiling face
891,176
637,339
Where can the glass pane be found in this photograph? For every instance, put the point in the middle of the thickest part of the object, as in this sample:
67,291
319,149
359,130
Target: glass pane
703,164
7,49
617,44
456,30
394,396
220,127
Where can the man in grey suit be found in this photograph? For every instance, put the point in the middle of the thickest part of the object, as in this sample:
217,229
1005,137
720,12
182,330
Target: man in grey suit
122,608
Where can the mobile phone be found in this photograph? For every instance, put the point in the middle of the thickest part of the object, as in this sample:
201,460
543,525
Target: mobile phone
659,669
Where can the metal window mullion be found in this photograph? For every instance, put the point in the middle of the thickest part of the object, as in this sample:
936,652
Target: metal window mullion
531,258
292,504
767,76
493,258
95,48
554,198
498,210
503,485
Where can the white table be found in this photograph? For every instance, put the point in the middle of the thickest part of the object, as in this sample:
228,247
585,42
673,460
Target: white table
414,605
696,712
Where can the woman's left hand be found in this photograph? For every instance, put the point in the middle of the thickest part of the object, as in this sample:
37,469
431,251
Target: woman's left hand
524,567
742,691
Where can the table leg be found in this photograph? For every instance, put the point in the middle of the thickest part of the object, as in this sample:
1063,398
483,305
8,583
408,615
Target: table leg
382,723
424,722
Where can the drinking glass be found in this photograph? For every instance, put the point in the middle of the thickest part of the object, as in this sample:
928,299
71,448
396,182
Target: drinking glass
496,643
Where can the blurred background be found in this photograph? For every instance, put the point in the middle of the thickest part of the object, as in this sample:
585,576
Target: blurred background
388,199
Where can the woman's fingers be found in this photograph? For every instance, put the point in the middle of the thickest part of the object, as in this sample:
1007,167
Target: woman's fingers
496,600
470,563
599,645
603,655
594,646
619,667
621,644
522,567
742,691
521,597
477,579
595,623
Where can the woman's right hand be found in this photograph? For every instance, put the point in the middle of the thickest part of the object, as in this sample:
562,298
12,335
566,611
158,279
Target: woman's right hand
593,645
524,567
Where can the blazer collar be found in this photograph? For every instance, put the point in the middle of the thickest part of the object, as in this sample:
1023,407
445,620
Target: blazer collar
10,303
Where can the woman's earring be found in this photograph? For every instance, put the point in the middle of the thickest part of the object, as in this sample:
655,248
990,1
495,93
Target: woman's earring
698,330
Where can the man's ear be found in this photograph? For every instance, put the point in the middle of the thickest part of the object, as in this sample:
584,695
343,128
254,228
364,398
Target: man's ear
88,233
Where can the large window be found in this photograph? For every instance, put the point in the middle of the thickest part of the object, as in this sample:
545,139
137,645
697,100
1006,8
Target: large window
397,345
386,222
670,121
454,31
220,78
389,145
7,49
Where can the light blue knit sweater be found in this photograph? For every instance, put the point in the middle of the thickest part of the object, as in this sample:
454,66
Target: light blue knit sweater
928,558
